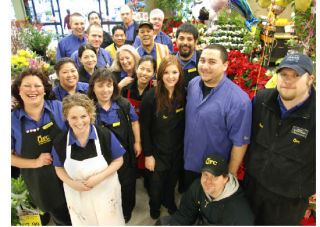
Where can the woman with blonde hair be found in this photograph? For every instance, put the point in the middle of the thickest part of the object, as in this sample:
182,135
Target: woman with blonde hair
162,129
125,65
86,159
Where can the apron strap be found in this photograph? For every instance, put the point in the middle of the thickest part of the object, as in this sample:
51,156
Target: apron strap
96,142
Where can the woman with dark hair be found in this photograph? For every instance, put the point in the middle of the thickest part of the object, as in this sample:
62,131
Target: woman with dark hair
117,114
88,58
86,159
135,91
36,120
68,77
162,130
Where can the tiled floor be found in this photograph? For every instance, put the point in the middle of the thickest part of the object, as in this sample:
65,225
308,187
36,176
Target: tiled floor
141,214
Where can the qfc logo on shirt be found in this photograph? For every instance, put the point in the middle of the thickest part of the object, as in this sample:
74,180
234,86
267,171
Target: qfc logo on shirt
43,139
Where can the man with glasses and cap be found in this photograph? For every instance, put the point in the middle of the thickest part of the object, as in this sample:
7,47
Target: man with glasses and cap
281,158
214,199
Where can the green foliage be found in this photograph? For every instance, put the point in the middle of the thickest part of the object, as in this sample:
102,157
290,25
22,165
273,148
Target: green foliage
35,38
166,5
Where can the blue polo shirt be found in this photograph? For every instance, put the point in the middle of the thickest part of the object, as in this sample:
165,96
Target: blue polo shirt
53,106
111,115
129,31
61,93
161,37
115,147
191,64
216,123
143,52
104,58
68,45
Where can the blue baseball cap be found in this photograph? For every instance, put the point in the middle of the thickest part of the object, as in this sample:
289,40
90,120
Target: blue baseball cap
300,63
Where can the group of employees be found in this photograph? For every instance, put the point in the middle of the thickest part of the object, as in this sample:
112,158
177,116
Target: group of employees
135,108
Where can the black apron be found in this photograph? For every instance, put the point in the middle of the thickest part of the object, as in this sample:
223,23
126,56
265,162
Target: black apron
44,186
121,130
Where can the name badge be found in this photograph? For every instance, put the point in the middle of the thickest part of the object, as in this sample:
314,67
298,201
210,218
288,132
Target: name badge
179,110
47,125
116,124
300,131
192,70
164,117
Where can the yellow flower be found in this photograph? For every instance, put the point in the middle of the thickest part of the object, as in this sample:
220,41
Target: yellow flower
24,53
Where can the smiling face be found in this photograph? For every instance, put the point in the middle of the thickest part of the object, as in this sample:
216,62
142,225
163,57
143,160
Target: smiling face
95,37
68,76
211,68
146,36
79,120
88,59
186,45
293,87
157,23
126,61
94,19
119,37
32,91
145,72
77,26
212,184
171,76
103,91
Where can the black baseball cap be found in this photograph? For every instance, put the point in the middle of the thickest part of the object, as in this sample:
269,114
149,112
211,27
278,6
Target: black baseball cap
215,164
300,63
146,23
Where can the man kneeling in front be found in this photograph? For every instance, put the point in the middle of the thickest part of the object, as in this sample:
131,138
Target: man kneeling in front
215,199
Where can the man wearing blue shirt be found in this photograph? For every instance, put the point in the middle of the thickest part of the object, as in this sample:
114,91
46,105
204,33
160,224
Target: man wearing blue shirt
156,18
95,37
129,24
71,43
218,115
148,46
281,158
187,39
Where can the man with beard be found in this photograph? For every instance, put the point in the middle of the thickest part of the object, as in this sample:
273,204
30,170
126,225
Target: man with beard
281,159
95,18
214,199
156,18
95,36
187,38
130,26
148,46
71,43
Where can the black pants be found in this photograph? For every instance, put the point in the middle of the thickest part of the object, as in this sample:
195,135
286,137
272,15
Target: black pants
60,215
189,177
271,208
162,184
128,197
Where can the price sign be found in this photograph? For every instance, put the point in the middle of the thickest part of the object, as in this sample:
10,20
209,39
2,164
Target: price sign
30,220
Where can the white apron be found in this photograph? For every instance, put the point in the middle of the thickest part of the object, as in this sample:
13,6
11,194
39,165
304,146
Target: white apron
102,204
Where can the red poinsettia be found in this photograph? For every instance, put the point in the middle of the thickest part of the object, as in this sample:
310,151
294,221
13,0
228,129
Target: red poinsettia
248,76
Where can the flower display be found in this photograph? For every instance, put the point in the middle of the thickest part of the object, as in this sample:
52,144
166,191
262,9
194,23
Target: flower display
247,75
24,59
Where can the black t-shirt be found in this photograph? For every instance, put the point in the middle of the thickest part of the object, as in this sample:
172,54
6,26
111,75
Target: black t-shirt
206,90
134,92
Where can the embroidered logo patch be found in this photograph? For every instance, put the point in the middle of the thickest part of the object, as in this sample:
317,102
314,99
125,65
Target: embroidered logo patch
300,131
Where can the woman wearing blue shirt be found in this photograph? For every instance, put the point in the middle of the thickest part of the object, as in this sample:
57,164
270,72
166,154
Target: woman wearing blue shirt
88,58
86,159
125,65
117,114
35,121
67,74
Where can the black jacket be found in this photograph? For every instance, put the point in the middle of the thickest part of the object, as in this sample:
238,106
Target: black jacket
282,153
83,74
107,40
135,32
195,208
